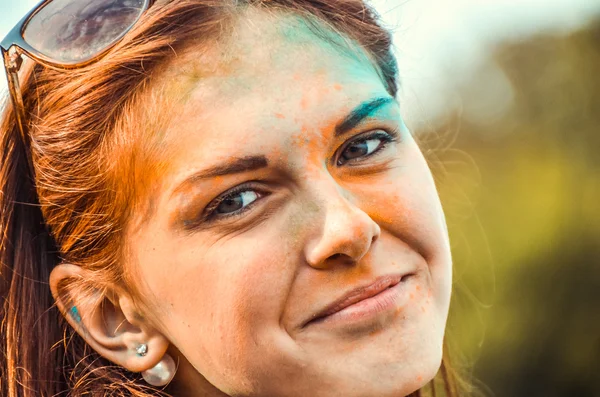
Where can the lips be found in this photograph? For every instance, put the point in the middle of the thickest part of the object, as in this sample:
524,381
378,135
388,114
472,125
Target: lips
357,295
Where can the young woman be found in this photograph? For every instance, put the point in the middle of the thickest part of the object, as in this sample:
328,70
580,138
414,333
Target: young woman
215,198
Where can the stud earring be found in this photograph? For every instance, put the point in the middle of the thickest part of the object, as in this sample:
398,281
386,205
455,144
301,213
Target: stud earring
141,349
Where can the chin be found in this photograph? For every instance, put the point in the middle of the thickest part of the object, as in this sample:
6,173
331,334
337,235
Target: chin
413,368
405,375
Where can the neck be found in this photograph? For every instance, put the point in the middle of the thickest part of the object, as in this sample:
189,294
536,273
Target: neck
188,382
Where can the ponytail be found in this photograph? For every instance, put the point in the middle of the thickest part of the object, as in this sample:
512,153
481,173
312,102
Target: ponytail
30,323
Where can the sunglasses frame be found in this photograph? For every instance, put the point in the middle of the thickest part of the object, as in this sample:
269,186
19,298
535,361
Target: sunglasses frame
14,46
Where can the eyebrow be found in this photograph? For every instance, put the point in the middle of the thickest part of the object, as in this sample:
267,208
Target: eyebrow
232,166
359,113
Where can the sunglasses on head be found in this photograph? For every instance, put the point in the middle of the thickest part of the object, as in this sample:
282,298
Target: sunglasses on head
65,34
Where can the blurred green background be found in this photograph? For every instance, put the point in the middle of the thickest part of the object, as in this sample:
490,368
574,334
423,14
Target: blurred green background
521,189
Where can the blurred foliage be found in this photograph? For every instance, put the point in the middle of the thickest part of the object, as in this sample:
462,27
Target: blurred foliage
521,191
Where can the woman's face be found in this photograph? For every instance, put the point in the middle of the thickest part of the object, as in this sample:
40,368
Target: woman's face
293,183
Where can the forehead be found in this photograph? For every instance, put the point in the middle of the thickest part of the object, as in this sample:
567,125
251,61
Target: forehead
262,52
273,72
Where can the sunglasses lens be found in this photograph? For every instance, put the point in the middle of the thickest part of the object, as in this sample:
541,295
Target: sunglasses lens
73,31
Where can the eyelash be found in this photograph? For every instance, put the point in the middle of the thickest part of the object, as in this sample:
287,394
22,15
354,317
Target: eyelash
212,207
386,138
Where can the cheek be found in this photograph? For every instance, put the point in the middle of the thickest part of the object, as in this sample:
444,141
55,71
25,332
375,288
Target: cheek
406,205
234,284
226,300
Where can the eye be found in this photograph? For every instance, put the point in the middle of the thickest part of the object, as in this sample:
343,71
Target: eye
365,147
233,203
230,204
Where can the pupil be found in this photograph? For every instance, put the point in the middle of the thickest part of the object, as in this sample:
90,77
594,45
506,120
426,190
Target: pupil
230,204
357,150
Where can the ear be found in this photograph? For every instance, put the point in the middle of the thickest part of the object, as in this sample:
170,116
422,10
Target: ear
106,318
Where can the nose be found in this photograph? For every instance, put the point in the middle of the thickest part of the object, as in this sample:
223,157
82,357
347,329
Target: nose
344,233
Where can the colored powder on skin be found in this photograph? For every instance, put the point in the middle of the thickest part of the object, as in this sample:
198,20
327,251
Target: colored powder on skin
75,314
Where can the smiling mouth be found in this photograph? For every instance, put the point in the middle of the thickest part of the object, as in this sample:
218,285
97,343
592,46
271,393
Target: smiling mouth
365,303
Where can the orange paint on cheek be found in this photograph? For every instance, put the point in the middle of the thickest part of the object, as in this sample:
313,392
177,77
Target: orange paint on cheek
386,208
279,116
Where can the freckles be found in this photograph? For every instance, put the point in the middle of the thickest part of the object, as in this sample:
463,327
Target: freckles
416,297
427,304
400,310
418,293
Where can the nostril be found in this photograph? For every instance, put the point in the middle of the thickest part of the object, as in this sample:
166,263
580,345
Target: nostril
341,259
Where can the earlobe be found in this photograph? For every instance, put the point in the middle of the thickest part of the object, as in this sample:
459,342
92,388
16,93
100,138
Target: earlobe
106,319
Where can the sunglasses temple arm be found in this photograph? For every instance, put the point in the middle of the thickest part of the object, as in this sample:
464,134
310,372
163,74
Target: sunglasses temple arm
12,63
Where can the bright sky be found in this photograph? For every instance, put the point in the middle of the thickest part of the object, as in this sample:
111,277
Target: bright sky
434,37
